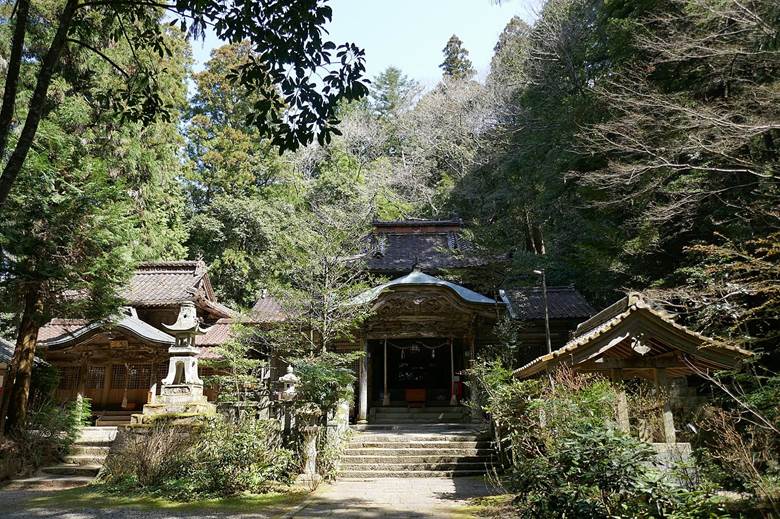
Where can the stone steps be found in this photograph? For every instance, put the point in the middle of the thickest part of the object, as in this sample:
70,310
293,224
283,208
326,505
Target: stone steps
418,444
420,451
48,482
420,415
402,450
378,474
355,459
72,469
79,467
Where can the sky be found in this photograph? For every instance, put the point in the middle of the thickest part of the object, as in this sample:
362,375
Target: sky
410,34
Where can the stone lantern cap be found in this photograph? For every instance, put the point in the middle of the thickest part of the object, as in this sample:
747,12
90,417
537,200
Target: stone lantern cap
186,327
289,377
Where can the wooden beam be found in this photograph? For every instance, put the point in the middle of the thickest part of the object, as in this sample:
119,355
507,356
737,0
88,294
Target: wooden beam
363,386
608,364
662,384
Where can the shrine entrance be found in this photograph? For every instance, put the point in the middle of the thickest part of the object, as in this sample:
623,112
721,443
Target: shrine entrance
416,372
423,332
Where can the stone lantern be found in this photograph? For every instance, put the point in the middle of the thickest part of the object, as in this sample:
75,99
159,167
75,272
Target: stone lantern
183,363
182,388
288,382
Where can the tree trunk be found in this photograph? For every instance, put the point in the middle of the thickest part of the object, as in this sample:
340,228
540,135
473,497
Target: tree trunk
37,102
8,386
24,355
12,74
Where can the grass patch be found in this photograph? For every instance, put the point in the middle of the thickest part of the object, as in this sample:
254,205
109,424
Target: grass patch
273,503
488,506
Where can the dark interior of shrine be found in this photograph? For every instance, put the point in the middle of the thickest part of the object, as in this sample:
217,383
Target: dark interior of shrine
414,365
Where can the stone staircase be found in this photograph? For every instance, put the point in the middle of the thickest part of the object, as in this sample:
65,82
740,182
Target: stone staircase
420,415
416,450
113,418
79,468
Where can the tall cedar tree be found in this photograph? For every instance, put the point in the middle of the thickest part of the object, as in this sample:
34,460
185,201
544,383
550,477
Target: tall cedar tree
236,181
95,194
456,64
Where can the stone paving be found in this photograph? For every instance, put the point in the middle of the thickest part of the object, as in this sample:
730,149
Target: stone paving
394,498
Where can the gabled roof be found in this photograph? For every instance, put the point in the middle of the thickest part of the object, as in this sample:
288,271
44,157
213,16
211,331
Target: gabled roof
63,332
7,349
166,283
633,333
429,245
418,278
170,283
267,310
527,304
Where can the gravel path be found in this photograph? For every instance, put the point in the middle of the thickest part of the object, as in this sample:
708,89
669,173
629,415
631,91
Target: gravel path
423,498
402,498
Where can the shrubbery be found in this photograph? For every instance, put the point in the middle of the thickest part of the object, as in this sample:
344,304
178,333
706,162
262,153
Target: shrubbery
48,431
217,458
565,457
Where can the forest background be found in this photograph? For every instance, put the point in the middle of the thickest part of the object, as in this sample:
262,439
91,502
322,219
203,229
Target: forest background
628,145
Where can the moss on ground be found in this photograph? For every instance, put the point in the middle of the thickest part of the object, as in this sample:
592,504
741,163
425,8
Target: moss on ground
489,506
272,504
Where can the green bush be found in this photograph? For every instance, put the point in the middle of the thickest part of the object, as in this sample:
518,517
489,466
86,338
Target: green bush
325,379
564,456
214,459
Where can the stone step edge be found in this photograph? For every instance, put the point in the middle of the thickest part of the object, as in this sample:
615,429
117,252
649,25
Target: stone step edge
361,475
47,481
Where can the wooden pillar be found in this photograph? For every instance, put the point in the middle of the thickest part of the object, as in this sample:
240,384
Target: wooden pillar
106,384
363,386
453,397
662,384
81,380
624,423
386,393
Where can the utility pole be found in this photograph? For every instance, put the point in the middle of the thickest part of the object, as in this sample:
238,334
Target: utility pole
546,309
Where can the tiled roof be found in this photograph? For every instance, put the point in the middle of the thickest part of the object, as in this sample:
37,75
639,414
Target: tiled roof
612,317
7,349
165,283
64,332
59,327
563,302
429,251
267,310
218,333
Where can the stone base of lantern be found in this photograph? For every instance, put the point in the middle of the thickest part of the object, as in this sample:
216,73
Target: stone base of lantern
176,399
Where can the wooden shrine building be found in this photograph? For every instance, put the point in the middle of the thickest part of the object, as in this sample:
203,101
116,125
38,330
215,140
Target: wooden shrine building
632,339
427,326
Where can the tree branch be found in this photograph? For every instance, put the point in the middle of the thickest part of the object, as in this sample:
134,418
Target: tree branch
37,102
102,55
22,9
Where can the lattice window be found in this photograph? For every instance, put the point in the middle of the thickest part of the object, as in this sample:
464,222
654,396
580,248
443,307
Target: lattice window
69,377
96,375
118,374
162,372
138,377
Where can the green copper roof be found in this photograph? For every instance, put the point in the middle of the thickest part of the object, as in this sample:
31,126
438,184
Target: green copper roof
422,279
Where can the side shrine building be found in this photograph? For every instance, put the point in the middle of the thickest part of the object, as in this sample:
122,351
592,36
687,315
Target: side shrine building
423,332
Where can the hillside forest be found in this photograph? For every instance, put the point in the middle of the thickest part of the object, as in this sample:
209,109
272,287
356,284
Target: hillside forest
626,145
